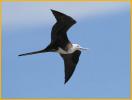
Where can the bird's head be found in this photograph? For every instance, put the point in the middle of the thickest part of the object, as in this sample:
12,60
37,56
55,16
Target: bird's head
78,47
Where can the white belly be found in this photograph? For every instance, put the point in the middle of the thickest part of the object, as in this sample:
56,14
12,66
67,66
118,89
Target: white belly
61,51
69,51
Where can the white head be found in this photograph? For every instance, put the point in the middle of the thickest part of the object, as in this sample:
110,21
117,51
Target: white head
78,47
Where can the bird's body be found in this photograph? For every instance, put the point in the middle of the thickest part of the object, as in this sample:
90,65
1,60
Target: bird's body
61,44
68,51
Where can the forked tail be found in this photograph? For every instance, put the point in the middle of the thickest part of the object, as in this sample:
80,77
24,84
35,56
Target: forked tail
31,53
49,48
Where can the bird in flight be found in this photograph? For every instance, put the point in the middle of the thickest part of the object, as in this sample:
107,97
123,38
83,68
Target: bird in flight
61,44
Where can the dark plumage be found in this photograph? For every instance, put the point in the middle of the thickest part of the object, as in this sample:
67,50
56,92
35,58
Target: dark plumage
70,62
59,39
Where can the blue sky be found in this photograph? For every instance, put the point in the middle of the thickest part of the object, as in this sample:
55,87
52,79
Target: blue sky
104,71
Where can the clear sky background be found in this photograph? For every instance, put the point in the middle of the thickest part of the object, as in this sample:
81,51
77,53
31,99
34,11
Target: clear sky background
104,71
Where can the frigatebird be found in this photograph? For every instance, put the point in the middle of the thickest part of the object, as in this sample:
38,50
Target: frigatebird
61,44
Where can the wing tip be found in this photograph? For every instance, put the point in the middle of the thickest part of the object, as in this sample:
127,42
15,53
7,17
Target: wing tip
52,10
65,81
58,15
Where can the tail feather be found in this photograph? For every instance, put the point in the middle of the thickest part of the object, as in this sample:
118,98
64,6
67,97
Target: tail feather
49,48
31,53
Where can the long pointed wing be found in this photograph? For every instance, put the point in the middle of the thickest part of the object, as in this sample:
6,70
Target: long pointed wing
70,62
58,33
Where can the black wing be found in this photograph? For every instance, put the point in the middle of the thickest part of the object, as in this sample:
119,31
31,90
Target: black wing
58,34
70,62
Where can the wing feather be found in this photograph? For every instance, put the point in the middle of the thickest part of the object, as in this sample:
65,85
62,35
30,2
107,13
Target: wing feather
70,62
60,28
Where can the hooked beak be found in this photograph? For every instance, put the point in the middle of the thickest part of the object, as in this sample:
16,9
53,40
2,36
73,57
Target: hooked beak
85,49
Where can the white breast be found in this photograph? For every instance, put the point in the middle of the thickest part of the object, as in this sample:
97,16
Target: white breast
61,51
